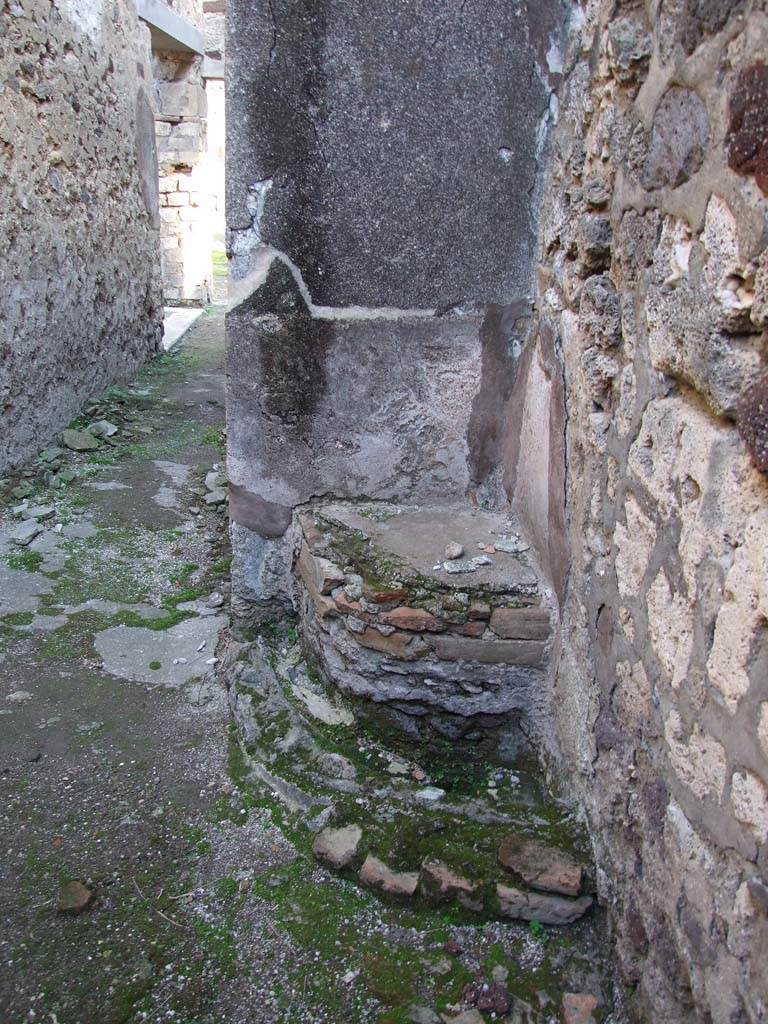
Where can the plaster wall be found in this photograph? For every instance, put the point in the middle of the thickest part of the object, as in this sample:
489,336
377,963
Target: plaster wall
391,189
80,275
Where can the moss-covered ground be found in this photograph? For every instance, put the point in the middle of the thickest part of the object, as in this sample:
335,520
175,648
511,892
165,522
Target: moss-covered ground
209,907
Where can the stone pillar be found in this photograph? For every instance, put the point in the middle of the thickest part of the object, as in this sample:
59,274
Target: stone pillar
185,200
383,172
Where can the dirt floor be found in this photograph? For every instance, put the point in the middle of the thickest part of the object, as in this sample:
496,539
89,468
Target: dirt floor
119,769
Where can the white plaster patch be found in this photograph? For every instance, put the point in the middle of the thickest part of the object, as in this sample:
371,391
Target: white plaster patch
179,475
85,15
107,485
181,652
321,708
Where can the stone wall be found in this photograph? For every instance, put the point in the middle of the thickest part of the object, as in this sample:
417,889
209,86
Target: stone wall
185,187
80,276
214,29
654,284
390,190
454,648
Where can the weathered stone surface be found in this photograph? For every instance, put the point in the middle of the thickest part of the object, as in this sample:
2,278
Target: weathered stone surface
338,847
307,568
524,653
327,160
747,139
80,276
332,386
474,629
695,321
752,419
453,550
439,883
479,610
218,496
376,875
25,532
657,698
327,575
397,645
593,235
521,623
578,1008
600,312
679,140
630,47
79,441
471,1016
541,867
74,898
347,607
534,906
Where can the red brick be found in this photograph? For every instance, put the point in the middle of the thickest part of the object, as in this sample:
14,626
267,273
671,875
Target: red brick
348,607
396,645
417,620
386,596
470,629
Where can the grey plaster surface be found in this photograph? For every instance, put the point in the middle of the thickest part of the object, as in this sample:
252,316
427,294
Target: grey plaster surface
418,537
369,407
391,150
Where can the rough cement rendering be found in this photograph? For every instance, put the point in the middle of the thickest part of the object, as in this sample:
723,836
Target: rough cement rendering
364,356
653,282
79,223
391,151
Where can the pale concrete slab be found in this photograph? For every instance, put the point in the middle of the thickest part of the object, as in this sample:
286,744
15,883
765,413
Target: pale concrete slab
176,322
128,651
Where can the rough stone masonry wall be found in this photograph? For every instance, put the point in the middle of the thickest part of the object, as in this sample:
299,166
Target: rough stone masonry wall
655,283
79,275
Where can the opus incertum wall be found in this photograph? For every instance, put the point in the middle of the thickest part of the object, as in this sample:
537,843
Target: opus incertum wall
80,271
383,174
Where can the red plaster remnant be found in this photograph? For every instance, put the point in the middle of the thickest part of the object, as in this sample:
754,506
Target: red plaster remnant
747,138
752,421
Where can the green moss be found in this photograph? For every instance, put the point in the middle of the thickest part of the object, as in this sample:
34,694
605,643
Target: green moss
26,561
220,263
391,976
215,436
538,931
222,566
18,618
74,640
155,665
227,888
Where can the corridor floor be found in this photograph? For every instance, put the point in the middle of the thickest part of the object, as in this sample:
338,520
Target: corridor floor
119,770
